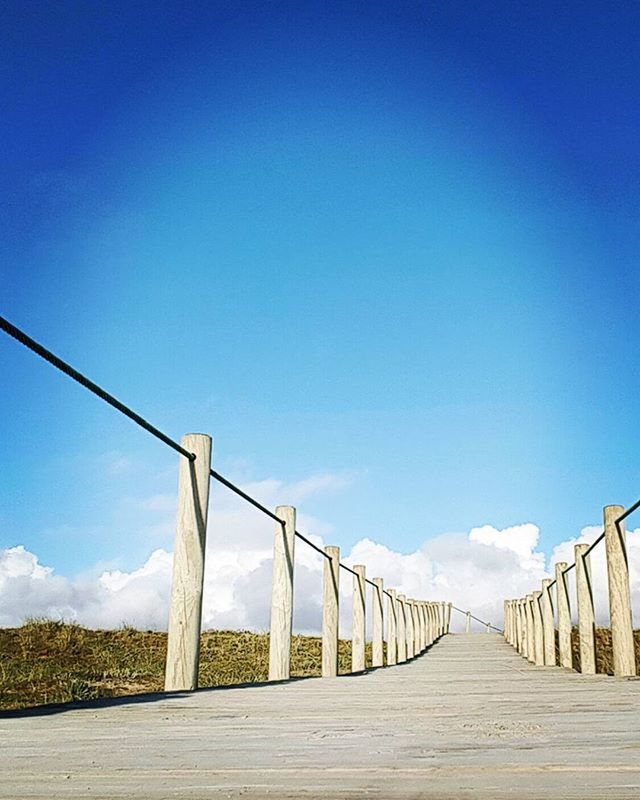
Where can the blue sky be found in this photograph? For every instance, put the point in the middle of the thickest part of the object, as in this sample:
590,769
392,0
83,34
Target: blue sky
391,242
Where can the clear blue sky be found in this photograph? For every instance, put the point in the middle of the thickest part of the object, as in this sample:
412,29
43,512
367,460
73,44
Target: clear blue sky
396,240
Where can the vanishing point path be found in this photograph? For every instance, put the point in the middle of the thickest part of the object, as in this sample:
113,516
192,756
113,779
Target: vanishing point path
469,719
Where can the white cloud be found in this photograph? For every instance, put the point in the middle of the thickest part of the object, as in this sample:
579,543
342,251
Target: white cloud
476,570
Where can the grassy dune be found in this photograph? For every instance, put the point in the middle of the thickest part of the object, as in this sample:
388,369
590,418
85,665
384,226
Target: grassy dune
53,662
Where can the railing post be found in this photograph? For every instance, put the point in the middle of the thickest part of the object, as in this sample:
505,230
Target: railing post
432,624
518,624
377,646
185,611
330,612
624,659
538,630
440,618
564,616
409,627
423,624
530,629
402,629
282,595
392,625
547,625
522,628
507,621
488,630
468,626
586,616
524,604
416,627
358,663
448,623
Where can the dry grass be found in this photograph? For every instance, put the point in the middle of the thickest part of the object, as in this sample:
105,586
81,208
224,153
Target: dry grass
604,656
54,662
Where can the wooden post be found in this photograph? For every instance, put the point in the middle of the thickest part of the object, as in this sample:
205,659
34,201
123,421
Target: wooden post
530,629
416,627
359,620
624,659
538,642
522,631
185,611
525,627
282,595
548,628
432,624
330,612
409,627
402,629
392,625
468,627
586,616
424,627
518,624
507,620
564,616
448,621
440,619
378,626
488,628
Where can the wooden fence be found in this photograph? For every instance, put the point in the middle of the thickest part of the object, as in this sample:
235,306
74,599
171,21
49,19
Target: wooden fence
530,621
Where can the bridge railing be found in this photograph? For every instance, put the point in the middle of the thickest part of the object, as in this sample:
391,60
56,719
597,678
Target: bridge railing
530,621
408,625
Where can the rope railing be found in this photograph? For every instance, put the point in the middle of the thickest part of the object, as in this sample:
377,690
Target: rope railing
530,621
471,616
412,625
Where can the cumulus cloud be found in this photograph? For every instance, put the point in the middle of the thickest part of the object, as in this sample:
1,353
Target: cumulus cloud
475,570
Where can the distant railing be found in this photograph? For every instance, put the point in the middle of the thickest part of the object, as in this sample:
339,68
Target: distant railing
411,625
530,621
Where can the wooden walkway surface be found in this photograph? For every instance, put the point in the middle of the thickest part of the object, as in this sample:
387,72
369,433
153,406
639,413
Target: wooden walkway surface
468,719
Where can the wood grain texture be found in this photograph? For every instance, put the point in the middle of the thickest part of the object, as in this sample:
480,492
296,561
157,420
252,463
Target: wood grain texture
468,720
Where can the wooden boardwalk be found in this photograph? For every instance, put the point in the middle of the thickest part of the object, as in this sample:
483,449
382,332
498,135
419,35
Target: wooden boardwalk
468,719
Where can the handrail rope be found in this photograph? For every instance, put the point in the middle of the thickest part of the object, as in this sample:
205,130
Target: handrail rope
67,369
481,621
593,544
35,347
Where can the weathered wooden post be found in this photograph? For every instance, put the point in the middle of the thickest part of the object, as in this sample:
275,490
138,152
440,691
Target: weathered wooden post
468,626
518,624
548,628
538,642
402,629
488,630
564,616
525,626
358,663
424,625
432,624
530,629
416,627
330,612
392,624
377,646
282,595
624,660
586,616
522,628
448,622
441,618
507,620
185,611
409,627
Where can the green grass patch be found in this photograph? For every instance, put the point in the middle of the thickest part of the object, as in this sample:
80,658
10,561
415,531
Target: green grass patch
55,662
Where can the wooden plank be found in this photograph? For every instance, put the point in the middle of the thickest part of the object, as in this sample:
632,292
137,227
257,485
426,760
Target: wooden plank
468,719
